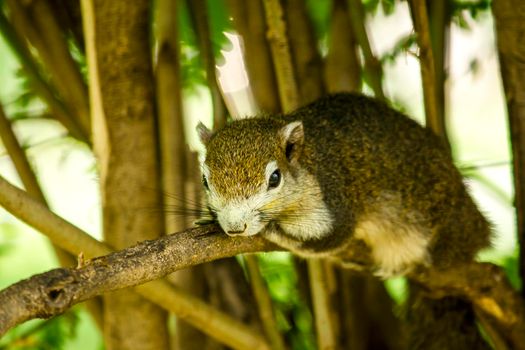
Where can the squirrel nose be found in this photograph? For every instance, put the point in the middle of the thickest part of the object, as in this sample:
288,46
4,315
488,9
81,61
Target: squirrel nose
237,232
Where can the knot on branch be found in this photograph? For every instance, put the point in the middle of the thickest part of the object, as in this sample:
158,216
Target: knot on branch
56,294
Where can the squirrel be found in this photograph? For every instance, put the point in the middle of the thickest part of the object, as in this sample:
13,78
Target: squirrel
351,179
344,173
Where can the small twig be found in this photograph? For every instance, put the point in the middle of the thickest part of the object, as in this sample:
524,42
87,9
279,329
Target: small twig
18,156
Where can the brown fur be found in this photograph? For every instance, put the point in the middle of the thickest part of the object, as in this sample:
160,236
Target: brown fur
382,179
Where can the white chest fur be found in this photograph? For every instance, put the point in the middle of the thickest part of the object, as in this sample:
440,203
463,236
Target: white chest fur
397,241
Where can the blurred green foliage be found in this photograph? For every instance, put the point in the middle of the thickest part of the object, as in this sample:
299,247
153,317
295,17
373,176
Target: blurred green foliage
51,334
292,313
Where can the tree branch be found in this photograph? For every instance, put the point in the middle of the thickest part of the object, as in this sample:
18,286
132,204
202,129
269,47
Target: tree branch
487,287
322,305
54,292
30,182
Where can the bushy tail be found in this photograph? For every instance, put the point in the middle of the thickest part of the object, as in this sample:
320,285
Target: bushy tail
442,324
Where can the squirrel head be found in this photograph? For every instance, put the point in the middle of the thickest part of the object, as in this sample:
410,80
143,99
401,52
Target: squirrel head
250,171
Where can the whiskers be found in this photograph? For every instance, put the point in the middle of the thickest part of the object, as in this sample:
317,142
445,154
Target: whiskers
181,209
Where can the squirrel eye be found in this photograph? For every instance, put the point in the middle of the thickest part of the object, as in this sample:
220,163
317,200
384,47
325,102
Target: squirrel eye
205,182
275,179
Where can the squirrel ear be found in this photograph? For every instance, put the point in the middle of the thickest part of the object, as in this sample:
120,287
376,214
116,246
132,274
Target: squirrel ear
204,133
293,137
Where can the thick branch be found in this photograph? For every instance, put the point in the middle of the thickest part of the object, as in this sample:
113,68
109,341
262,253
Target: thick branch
489,290
54,292
71,238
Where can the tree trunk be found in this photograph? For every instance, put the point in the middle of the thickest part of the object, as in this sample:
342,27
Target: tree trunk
121,91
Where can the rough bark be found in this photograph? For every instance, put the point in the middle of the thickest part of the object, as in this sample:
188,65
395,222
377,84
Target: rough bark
128,157
510,29
52,293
